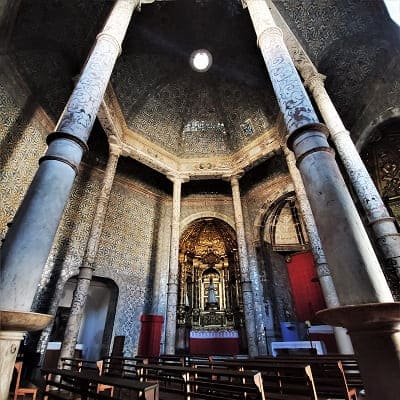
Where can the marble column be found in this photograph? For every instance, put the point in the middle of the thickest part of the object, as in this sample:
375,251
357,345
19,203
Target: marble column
253,305
172,295
328,289
382,224
88,263
356,273
29,240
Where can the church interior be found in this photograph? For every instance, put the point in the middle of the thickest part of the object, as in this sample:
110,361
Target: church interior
200,177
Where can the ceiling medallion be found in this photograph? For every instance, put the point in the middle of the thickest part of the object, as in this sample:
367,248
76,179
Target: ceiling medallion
201,60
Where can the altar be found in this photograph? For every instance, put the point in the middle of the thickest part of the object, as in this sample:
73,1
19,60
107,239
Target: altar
214,342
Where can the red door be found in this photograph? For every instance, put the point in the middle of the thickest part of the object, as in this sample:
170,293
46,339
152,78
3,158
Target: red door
307,294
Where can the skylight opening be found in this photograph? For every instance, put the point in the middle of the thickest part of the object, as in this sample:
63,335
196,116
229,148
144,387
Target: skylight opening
201,60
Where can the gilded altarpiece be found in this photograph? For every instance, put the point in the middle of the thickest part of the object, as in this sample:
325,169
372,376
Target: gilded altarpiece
210,297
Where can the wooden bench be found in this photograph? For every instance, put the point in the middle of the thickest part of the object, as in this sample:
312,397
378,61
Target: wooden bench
17,390
349,363
216,384
72,364
330,381
204,383
328,375
121,367
62,384
280,380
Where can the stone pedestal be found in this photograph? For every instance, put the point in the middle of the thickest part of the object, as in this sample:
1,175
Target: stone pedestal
375,333
13,326
9,344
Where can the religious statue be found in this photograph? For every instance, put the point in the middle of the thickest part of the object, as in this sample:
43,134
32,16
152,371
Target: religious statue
212,303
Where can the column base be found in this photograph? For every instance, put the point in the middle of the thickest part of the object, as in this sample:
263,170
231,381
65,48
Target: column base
13,326
375,333
9,344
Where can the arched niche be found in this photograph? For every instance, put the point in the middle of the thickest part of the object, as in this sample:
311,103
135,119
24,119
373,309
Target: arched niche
282,226
291,279
381,155
210,296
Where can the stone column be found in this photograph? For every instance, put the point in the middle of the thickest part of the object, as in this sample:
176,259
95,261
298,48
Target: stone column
328,289
382,224
251,284
29,240
355,270
88,263
172,295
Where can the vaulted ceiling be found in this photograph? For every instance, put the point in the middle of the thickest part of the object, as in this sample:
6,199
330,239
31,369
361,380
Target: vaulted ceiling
181,114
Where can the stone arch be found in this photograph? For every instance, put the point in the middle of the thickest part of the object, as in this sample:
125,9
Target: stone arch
373,126
98,320
209,285
207,214
271,220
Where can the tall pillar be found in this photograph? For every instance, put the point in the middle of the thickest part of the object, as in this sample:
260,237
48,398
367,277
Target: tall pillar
172,295
382,224
251,284
88,263
355,270
29,240
328,289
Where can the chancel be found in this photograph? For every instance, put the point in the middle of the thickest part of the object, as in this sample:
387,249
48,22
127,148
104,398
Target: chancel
191,178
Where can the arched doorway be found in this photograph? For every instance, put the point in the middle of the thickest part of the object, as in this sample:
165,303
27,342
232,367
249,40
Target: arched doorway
210,308
96,328
291,277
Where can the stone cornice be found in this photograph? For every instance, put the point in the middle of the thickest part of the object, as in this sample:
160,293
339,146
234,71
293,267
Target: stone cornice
155,157
134,145
146,152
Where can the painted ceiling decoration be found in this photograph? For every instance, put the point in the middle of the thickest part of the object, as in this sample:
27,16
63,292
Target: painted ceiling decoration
173,118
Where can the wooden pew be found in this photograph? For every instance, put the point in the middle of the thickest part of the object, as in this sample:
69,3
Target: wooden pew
328,374
62,384
204,383
349,364
72,364
280,380
216,384
121,367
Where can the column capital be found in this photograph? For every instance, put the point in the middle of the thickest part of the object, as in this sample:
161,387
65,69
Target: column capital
270,31
235,176
115,149
314,81
178,178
